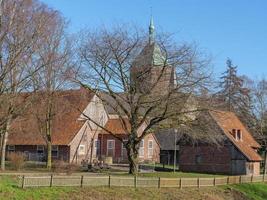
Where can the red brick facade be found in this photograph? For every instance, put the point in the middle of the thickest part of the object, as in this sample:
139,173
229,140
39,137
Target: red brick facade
34,152
203,158
119,154
225,159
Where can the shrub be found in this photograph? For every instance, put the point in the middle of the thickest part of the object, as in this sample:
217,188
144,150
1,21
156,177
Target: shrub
17,160
59,166
72,168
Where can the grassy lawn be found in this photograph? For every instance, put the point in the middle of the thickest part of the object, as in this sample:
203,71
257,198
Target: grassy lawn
255,191
9,190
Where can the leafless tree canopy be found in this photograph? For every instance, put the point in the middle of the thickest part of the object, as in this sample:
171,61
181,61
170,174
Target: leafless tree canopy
142,82
30,43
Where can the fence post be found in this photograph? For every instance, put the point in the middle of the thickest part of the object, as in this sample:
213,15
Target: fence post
198,182
135,181
159,183
82,181
251,178
240,177
51,180
23,181
181,183
263,178
228,180
214,181
109,181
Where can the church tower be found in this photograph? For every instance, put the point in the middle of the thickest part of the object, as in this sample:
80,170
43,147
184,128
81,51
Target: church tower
150,72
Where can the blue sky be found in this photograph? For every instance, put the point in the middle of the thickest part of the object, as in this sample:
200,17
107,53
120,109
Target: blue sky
223,28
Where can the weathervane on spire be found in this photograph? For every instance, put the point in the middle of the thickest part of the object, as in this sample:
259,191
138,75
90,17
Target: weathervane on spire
151,29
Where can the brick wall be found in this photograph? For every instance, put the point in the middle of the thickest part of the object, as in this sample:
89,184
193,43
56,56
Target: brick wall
204,158
31,152
120,155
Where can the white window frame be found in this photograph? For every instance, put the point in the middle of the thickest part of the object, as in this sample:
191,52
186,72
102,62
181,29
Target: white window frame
141,148
54,150
113,142
150,155
81,152
11,148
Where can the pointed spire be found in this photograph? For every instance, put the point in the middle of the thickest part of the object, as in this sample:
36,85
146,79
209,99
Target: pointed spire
151,31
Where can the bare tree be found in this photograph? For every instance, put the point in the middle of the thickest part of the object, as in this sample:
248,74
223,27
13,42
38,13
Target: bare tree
259,96
25,25
143,82
55,58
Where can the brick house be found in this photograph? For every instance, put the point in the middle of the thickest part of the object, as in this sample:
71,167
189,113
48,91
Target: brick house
74,138
112,147
72,134
235,153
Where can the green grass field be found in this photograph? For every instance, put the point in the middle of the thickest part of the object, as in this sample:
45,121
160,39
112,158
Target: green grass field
9,190
255,191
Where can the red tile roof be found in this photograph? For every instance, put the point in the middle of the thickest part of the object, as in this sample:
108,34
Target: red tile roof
25,130
229,121
116,126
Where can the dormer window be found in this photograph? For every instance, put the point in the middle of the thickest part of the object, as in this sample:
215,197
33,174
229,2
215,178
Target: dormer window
238,135
234,133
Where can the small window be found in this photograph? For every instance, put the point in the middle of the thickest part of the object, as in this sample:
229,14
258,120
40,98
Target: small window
11,148
55,151
40,149
150,148
111,144
110,147
234,132
198,159
141,148
81,149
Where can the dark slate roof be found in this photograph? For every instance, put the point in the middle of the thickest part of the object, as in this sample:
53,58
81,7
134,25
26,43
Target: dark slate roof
203,129
166,139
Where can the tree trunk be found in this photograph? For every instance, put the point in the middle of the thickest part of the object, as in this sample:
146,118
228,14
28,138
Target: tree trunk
265,161
49,143
132,153
4,142
49,133
49,155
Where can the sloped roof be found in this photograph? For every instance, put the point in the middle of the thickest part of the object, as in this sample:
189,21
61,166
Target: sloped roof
25,129
151,55
228,121
166,139
116,126
202,129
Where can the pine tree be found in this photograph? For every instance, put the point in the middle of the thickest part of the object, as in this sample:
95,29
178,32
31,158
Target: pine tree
236,97
231,87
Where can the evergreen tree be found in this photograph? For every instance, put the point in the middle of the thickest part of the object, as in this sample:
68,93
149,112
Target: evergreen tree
236,97
231,85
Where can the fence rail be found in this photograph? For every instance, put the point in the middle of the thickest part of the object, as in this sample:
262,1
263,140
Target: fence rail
134,181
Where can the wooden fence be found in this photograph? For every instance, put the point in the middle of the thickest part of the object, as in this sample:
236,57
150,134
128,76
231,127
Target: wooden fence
134,181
